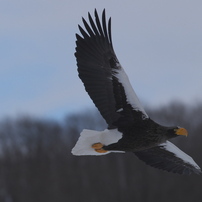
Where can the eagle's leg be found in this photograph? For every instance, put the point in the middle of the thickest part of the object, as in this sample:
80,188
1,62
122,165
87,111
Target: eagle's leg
98,147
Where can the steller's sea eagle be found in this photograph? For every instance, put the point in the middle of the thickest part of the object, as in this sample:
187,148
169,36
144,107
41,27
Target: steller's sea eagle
129,127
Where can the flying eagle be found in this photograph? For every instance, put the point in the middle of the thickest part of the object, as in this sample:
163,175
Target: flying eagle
130,129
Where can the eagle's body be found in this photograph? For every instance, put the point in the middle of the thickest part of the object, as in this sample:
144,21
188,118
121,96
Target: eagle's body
140,136
129,127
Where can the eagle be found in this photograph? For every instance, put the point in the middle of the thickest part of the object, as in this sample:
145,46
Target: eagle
130,129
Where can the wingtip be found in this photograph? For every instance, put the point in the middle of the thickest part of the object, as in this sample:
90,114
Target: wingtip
83,19
198,171
95,12
89,15
103,12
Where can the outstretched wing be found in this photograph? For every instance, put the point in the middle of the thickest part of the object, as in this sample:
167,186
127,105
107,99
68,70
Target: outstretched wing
168,157
103,77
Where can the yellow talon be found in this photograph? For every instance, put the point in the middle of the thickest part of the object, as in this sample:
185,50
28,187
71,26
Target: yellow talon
101,150
97,145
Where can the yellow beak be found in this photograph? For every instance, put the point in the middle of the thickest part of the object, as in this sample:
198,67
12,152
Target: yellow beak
181,131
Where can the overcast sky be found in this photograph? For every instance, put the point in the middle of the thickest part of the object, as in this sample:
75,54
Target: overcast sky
158,42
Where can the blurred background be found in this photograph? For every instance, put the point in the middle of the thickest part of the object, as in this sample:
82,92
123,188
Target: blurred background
44,105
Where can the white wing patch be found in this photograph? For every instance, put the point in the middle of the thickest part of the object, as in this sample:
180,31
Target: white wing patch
179,153
131,96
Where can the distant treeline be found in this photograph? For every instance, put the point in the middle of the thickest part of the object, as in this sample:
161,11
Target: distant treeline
36,164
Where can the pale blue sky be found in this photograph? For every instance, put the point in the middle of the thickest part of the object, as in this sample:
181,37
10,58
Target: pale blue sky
158,42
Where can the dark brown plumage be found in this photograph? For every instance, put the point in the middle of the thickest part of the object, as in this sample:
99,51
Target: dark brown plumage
129,127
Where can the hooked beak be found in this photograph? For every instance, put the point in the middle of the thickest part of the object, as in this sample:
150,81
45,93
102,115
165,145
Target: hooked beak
181,131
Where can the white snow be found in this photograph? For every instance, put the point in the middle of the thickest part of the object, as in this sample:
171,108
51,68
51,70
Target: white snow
130,93
179,153
89,137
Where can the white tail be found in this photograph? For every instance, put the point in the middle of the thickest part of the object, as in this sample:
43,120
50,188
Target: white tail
89,137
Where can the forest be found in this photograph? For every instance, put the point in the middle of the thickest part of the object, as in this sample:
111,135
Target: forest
36,164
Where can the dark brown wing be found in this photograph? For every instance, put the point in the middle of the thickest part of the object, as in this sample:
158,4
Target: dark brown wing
170,158
103,77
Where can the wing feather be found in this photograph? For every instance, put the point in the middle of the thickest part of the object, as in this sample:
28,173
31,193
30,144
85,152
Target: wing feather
170,158
103,77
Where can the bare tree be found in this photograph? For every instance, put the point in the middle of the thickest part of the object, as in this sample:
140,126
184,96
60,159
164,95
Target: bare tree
36,162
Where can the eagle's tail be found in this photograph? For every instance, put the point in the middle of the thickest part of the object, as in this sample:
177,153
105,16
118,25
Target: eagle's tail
90,137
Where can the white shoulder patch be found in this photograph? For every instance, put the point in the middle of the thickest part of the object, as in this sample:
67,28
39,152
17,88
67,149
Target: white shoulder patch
131,96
